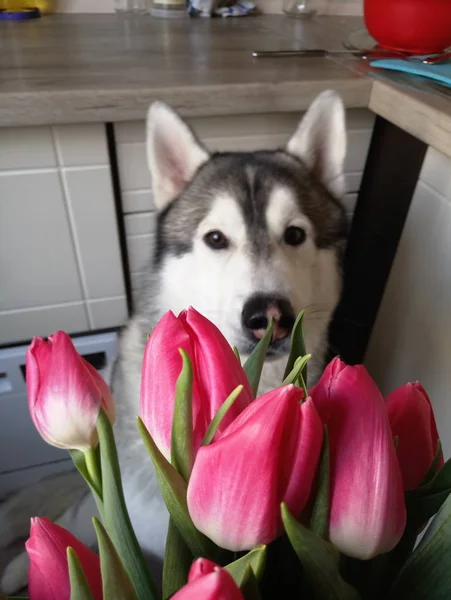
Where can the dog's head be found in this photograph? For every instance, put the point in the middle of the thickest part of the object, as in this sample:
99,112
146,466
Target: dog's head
246,236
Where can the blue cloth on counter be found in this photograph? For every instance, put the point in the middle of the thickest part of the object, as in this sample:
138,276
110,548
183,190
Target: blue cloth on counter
440,72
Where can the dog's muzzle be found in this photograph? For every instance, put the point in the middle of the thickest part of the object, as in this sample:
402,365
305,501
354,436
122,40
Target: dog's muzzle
257,311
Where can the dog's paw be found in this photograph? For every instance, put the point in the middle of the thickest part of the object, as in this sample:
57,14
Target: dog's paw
15,576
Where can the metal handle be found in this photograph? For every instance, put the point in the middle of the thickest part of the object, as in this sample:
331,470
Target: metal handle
282,53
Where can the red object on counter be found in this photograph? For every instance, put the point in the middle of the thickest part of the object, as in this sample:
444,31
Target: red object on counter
415,26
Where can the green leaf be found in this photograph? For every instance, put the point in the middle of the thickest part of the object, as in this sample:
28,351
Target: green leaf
297,346
319,559
79,587
433,468
423,502
116,518
116,583
237,353
256,559
219,416
182,423
319,522
297,369
173,489
249,587
177,562
426,575
254,364
79,461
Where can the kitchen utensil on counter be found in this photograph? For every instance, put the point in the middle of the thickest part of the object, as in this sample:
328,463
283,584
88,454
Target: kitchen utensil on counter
320,52
415,26
438,58
301,9
369,54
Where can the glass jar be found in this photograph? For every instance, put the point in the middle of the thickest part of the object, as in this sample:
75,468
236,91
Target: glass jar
132,6
301,10
169,8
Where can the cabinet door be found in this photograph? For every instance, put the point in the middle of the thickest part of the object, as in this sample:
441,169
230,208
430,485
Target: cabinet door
60,258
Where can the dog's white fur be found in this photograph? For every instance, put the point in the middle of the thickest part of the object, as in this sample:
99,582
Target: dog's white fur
216,284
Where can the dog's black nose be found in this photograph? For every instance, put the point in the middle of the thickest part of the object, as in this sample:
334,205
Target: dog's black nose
260,308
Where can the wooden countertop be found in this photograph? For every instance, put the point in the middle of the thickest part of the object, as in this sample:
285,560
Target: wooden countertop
84,68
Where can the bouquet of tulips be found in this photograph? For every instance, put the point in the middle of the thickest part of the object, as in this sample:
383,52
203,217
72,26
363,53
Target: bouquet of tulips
311,494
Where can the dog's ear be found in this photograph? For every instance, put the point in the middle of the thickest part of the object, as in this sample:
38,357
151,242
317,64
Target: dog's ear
173,153
320,141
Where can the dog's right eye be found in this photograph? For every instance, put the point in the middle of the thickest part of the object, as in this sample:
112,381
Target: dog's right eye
216,240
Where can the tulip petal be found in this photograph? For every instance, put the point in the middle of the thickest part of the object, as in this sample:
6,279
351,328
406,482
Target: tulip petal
65,393
218,370
207,581
162,365
216,373
262,458
367,514
413,423
48,577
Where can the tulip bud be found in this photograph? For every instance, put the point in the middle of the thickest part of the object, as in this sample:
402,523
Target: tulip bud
268,455
48,577
207,581
413,423
217,372
367,511
65,393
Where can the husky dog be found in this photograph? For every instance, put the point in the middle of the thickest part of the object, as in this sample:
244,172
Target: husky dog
241,237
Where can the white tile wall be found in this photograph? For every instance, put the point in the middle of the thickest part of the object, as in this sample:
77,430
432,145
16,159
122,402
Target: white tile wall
27,148
37,259
80,145
249,132
59,245
412,335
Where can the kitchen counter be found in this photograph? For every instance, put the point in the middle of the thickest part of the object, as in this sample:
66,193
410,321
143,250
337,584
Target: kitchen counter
66,69
105,68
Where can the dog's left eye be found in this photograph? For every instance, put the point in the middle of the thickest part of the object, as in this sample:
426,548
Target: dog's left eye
294,236
216,240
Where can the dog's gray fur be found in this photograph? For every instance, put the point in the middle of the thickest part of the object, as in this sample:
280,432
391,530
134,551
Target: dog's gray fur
191,187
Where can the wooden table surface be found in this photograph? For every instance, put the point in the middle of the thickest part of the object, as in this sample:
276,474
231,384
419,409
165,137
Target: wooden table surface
84,68
107,67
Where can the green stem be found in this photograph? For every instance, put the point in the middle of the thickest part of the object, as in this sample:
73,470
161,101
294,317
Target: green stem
94,470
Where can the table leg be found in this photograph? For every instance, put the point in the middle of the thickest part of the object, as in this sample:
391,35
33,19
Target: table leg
391,173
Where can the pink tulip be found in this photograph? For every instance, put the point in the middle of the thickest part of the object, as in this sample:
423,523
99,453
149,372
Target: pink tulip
367,512
207,581
65,393
268,455
217,372
413,423
48,577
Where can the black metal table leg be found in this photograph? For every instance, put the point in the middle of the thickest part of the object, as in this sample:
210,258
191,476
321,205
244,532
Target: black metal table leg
391,173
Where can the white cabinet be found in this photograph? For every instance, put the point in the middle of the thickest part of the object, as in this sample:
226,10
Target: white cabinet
60,259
